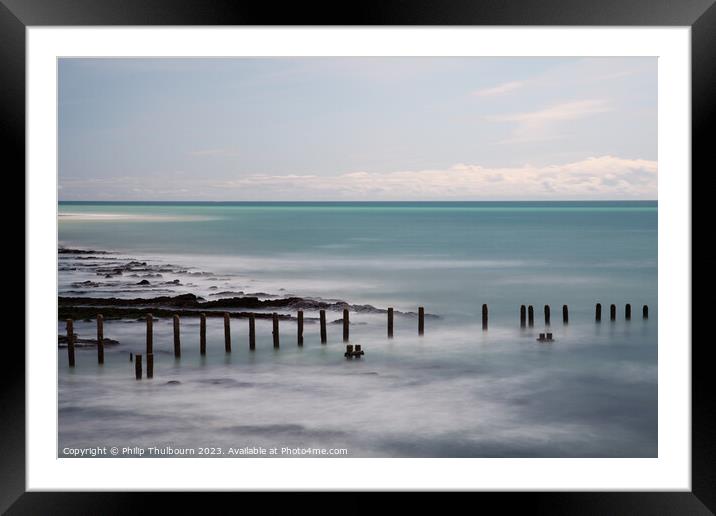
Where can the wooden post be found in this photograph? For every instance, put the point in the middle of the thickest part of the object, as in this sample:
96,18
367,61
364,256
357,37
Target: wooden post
613,312
138,367
227,332
627,312
530,316
598,312
421,320
484,317
177,338
523,316
346,325
71,342
275,331
252,332
299,336
565,314
645,312
100,339
202,334
390,323
322,314
150,365
150,334
547,315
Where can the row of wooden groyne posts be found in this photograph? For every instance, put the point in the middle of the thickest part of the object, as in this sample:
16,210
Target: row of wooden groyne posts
526,320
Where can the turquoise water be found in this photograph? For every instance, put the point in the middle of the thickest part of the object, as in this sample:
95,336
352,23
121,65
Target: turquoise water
450,257
457,391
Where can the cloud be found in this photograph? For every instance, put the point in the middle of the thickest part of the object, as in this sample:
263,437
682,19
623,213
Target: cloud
604,177
542,124
500,89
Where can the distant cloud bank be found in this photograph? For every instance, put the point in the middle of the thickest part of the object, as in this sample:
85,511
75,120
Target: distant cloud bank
593,178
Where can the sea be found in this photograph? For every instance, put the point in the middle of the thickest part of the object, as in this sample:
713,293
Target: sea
458,390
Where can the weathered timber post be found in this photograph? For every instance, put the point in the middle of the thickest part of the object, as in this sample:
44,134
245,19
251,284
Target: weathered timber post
252,332
150,365
71,342
100,339
547,315
565,314
138,367
390,323
275,330
627,312
227,332
523,316
177,338
202,334
299,330
484,317
613,312
530,316
346,325
421,320
150,334
598,312
322,315
645,312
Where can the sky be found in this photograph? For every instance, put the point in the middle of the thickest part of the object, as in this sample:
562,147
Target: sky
357,129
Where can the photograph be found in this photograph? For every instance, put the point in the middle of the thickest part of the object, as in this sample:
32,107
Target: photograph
357,257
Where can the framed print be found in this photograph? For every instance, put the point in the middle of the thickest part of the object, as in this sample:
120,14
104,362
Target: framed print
446,248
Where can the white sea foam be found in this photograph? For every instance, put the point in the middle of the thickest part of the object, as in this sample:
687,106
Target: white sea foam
443,394
129,217
318,262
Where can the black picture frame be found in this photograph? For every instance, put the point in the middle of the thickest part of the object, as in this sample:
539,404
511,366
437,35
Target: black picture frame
16,15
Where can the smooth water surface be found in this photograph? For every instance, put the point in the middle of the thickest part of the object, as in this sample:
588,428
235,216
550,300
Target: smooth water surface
456,391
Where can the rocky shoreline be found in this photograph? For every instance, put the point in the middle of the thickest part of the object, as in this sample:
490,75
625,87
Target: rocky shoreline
235,302
191,305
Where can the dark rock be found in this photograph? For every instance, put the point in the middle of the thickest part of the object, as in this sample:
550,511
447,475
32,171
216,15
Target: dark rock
87,283
68,250
170,304
340,321
109,273
84,343
261,294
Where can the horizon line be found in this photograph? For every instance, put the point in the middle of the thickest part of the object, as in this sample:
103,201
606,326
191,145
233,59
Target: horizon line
352,201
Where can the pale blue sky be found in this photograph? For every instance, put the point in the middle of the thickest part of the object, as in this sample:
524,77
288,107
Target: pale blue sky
357,128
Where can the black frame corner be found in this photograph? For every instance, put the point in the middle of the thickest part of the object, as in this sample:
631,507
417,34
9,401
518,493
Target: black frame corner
700,15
